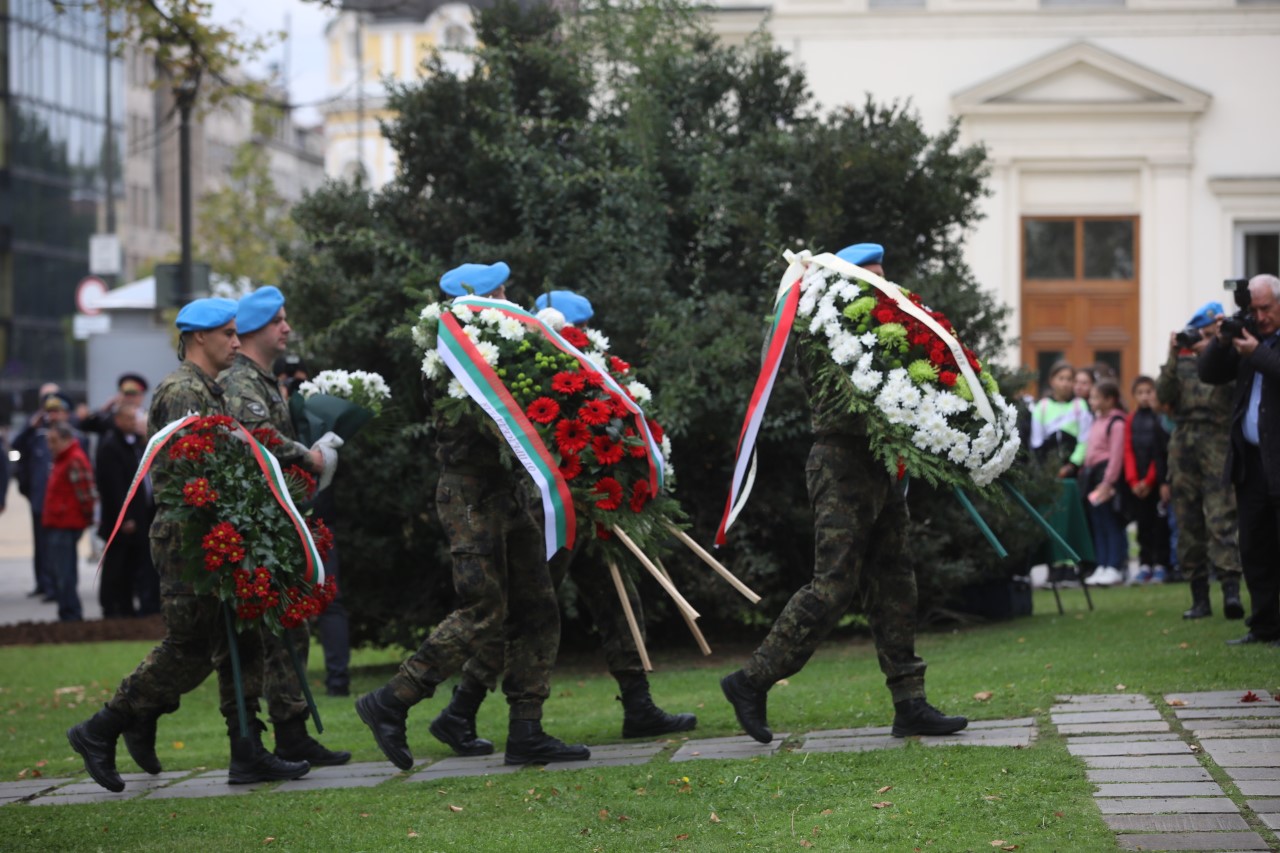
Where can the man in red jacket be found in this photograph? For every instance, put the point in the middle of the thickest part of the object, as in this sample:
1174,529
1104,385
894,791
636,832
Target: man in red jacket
68,510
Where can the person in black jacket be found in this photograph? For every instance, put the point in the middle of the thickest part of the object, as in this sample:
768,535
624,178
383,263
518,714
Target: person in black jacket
127,565
1253,460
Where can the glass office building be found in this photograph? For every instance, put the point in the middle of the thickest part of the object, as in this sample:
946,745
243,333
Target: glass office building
58,84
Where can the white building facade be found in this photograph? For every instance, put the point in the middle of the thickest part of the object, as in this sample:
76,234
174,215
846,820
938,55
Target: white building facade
1133,148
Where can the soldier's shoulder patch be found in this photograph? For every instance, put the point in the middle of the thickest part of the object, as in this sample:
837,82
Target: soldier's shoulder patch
256,408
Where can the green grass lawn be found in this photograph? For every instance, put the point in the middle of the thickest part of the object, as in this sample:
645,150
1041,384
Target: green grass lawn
943,798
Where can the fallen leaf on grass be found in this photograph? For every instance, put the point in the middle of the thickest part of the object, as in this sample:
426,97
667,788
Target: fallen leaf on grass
1150,613
454,808
1248,697
603,814
884,789
268,839
999,842
623,818
177,744
715,818
1022,639
1121,687
804,842
1184,645
983,695
883,805
1177,703
42,762
413,834
684,836
990,797
1058,814
783,682
826,812
1009,847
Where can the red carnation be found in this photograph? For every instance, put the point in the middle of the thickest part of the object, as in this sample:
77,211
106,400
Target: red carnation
215,422
571,436
607,451
947,378
322,536
570,466
567,382
595,413
267,437
543,410
191,446
610,491
640,495
617,365
575,336
883,314
303,478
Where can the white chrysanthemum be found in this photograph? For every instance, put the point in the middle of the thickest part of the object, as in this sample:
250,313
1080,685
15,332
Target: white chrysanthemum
599,359
463,313
488,351
421,337
641,393
845,349
827,311
598,340
809,294
456,391
847,290
510,329
666,446
433,366
552,317
473,332
431,313
865,380
869,339
491,316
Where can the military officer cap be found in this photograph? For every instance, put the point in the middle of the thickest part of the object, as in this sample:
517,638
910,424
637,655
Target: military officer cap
56,400
576,309
1208,313
257,309
131,383
480,279
208,313
862,254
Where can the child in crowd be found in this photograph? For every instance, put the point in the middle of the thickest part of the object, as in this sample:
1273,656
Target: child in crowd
1060,423
1082,383
1100,480
1146,457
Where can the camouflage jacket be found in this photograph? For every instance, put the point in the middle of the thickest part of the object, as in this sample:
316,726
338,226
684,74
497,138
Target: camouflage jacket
1190,401
829,414
254,399
188,390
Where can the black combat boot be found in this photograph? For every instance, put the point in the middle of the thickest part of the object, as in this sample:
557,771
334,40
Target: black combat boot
1200,606
527,743
1232,606
293,743
250,761
456,725
386,716
918,717
95,740
140,740
749,704
642,718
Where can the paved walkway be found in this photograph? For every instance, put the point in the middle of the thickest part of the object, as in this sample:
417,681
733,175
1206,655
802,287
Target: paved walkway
1208,780
16,577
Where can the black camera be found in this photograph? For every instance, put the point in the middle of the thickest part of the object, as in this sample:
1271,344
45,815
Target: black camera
1188,337
1235,325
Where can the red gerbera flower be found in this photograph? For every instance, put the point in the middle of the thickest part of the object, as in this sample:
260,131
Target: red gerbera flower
543,410
640,495
571,436
575,336
570,466
618,404
595,413
655,429
617,365
607,451
602,532
635,447
567,382
610,492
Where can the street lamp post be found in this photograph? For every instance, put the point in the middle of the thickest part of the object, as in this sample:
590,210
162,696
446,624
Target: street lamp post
185,93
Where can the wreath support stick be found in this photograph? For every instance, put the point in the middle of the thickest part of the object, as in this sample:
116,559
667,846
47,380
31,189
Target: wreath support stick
693,626
982,525
233,648
679,599
711,561
631,616
1041,520
302,680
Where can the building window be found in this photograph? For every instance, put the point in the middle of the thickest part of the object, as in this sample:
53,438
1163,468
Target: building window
1258,248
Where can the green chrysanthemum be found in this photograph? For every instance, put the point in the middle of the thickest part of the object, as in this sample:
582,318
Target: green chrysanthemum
989,382
922,371
891,334
962,388
860,309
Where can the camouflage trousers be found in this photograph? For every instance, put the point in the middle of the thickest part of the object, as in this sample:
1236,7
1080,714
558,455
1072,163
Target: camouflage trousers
195,645
598,594
1203,504
281,689
505,598
860,521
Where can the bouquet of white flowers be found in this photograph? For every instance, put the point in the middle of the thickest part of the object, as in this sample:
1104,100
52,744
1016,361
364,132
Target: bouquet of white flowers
367,390
338,401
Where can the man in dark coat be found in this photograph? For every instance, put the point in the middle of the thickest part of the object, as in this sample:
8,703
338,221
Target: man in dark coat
127,563
1253,461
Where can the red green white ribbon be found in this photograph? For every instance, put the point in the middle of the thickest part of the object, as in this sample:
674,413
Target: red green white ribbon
743,477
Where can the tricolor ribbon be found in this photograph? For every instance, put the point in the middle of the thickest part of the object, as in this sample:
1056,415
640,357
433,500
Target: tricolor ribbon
266,462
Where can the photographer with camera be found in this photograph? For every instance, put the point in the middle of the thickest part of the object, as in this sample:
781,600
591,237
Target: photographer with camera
1203,504
1246,351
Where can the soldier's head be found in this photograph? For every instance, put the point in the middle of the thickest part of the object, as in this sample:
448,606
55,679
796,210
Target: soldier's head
869,256
575,308
208,336
261,324
478,280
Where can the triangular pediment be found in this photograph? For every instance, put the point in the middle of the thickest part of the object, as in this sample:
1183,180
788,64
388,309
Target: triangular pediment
1080,78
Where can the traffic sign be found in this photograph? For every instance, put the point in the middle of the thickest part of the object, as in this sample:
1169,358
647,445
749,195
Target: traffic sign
89,293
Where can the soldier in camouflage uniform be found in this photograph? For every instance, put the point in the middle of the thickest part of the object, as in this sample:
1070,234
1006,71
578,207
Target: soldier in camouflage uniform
860,522
195,642
253,398
456,724
1203,503
503,586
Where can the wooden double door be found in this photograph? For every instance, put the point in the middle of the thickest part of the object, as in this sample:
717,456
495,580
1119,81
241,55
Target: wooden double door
1080,293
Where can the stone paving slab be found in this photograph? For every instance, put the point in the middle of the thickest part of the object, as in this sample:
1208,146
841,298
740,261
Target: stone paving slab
851,744
1257,711
728,747
1151,774
1241,744
613,755
1110,762
26,787
135,782
1130,748
213,784
459,765
1221,699
1254,774
1018,742
1245,759
102,795
1105,717
1258,789
1271,820
1160,789
1176,805
1176,822
1233,728
1130,738
1261,806
322,783
875,731
1116,699
364,768
1195,841
1113,728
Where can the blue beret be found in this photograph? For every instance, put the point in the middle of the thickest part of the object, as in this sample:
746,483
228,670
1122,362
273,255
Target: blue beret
258,308
479,279
576,309
209,313
862,253
1208,312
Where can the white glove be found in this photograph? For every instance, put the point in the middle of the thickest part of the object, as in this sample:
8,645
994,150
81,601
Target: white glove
328,445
